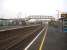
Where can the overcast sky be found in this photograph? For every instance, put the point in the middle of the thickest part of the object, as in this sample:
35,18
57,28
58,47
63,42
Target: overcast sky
13,8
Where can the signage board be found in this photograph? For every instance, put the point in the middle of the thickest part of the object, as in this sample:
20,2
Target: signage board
65,25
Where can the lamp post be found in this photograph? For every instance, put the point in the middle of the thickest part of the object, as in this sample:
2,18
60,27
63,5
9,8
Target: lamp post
58,13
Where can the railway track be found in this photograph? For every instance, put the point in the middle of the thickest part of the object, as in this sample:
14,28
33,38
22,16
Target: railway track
18,39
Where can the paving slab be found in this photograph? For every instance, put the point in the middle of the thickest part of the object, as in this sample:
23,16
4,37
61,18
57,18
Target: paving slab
55,40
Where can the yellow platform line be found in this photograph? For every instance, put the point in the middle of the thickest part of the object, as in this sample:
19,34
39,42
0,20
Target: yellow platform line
41,46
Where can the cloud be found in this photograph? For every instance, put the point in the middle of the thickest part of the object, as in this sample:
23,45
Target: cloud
27,7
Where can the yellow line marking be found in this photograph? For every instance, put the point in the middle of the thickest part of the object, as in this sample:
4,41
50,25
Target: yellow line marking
34,39
40,48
